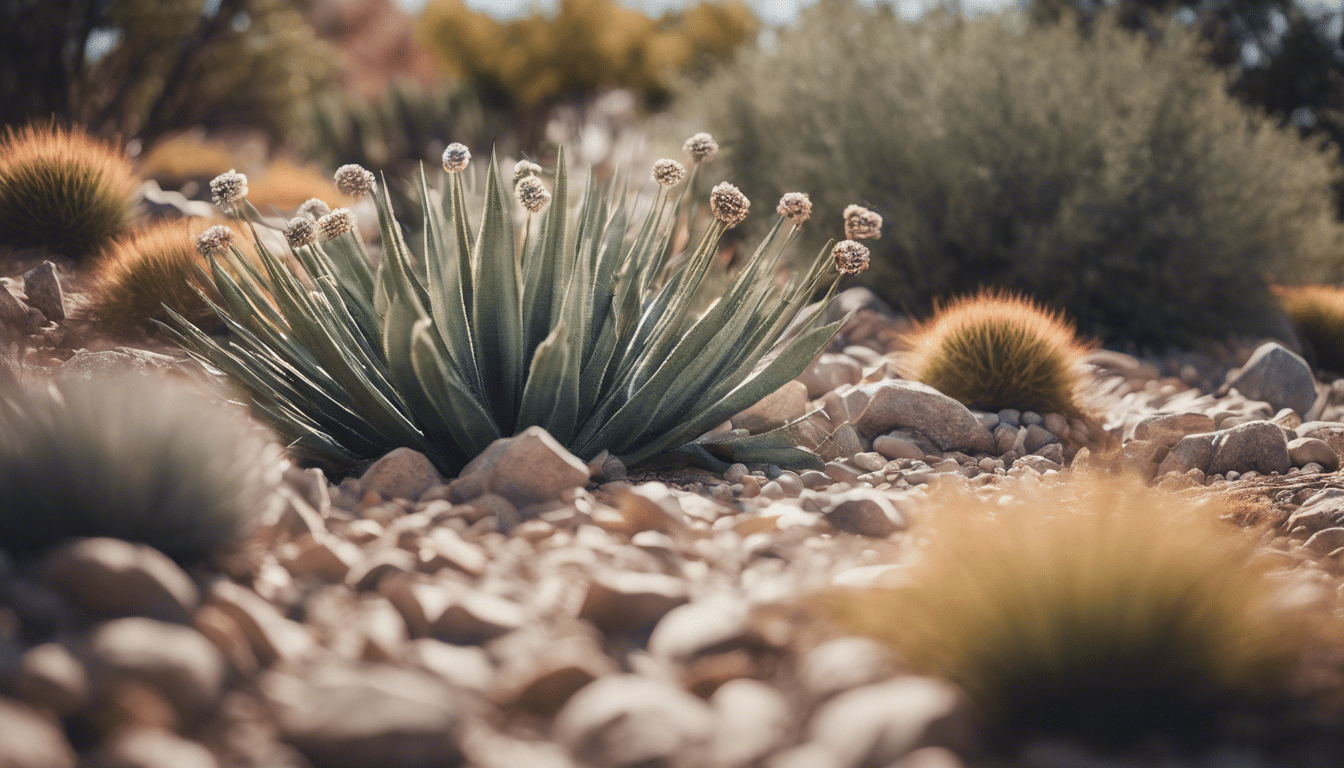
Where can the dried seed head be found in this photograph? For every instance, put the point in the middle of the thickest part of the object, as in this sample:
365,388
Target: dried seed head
300,232
354,181
525,168
228,188
795,206
456,157
532,193
668,173
862,224
214,241
314,209
728,204
701,148
335,224
851,258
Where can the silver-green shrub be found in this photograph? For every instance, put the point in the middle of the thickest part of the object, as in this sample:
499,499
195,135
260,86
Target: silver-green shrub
1111,176
134,458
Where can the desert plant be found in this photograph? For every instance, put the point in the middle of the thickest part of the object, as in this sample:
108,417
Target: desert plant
1099,609
137,458
581,330
1109,175
62,191
995,350
152,268
1318,311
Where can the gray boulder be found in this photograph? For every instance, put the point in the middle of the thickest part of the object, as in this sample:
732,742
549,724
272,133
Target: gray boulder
897,403
1256,445
43,290
1278,376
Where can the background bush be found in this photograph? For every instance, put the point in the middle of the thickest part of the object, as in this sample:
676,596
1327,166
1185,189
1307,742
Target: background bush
1107,175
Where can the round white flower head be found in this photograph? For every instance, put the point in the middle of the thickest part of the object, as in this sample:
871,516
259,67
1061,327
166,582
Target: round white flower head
701,148
862,224
335,224
728,204
314,209
525,168
228,188
214,241
354,180
851,258
300,232
456,157
795,206
532,193
668,173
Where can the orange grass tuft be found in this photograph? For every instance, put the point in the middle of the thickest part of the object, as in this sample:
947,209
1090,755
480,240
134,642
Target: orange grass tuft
1318,311
995,350
1101,609
62,190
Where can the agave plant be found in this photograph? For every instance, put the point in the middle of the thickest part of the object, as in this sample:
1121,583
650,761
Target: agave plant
586,328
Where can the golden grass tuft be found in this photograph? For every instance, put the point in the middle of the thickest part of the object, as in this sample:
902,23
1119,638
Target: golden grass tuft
1318,311
62,190
1099,609
152,267
994,350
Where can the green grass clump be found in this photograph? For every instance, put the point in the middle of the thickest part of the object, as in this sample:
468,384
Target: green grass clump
63,191
997,350
1108,174
1318,311
153,268
1100,609
135,458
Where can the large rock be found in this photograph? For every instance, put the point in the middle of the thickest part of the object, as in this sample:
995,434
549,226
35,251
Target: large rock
113,578
691,628
627,601
1168,428
528,468
13,312
877,724
786,404
1312,450
357,715
629,720
897,403
87,365
401,474
43,290
1256,445
1190,452
185,667
1278,376
1324,509
30,740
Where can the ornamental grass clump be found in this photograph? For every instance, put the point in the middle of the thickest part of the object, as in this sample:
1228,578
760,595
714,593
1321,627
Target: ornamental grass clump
156,267
135,458
1318,311
994,350
1099,610
585,326
63,191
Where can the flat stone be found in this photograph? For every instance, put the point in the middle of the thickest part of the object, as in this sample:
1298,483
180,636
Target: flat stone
466,667
43,290
541,671
1323,509
893,447
477,617
786,404
140,747
689,629
50,677
1278,376
1190,452
1325,541
112,578
751,720
843,663
629,720
178,661
272,636
1331,432
526,469
876,724
830,372
32,740
401,474
865,512
626,601
1168,428
353,715
1306,450
1254,446
898,403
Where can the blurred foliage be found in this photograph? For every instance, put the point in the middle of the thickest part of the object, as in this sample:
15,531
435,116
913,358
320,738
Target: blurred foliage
1112,177
144,69
1285,56
533,63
